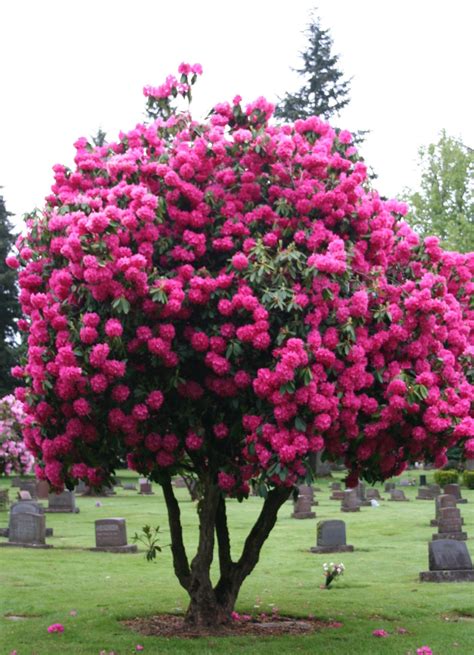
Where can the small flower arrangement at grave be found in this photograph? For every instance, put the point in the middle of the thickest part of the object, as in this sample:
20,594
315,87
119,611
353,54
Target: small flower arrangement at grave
332,572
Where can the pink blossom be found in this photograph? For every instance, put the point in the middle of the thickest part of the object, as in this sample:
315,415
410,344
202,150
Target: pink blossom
56,627
380,633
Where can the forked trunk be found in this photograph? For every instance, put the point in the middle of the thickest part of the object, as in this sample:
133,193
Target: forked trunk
213,605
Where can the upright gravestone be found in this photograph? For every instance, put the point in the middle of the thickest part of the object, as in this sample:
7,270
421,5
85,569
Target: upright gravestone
335,486
389,486
27,530
331,538
423,482
145,487
27,507
435,489
404,483
470,464
362,498
307,490
373,494
16,481
111,536
449,525
424,493
398,495
350,501
129,486
64,502
4,500
444,500
42,489
81,488
449,561
302,508
179,482
455,490
29,486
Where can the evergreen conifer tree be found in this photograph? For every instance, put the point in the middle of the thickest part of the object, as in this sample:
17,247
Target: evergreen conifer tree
9,308
324,92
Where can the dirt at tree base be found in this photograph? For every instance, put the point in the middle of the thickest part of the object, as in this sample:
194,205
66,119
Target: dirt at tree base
171,625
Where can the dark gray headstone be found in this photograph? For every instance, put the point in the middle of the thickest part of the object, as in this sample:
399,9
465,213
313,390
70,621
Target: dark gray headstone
302,508
449,561
64,502
350,501
129,486
27,507
335,486
331,537
423,481
398,495
389,486
373,494
81,487
448,555
27,529
111,536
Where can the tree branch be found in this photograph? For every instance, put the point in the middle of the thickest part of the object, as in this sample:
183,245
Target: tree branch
259,533
180,559
223,540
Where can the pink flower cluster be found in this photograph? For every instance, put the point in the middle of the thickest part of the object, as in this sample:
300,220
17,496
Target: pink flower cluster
14,455
231,293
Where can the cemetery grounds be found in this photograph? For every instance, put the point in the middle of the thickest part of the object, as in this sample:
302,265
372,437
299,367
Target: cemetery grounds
90,593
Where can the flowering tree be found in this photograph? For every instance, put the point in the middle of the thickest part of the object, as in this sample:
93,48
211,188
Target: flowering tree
224,298
14,456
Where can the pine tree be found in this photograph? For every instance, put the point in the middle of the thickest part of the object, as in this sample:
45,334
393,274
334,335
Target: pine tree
9,308
324,92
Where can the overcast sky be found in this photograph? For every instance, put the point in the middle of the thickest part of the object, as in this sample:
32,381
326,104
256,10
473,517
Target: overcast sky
69,67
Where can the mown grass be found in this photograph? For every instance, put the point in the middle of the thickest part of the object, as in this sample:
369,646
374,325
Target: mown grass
380,588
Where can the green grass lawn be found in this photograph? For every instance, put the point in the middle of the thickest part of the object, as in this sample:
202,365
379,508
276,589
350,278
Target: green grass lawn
380,588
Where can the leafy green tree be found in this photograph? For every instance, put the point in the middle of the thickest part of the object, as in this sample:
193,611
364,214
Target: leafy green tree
324,92
9,308
444,204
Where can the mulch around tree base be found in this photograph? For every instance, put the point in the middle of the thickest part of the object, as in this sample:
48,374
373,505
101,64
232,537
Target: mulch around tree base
170,625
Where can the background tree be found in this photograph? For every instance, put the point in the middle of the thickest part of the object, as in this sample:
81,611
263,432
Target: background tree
324,92
444,205
223,299
9,307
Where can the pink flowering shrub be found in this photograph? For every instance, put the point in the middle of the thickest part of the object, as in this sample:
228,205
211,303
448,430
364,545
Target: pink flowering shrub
14,456
233,294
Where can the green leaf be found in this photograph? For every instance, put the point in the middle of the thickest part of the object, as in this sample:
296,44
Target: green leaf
300,424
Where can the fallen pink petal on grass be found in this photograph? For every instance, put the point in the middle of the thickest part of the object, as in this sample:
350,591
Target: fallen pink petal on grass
56,627
73,613
380,633
402,631
424,650
139,647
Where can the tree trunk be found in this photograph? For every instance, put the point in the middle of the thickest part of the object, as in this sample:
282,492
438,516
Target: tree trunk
213,605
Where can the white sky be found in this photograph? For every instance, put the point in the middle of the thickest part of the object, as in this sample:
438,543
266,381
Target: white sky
68,67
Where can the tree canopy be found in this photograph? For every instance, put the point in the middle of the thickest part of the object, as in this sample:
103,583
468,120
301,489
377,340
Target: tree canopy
444,204
223,299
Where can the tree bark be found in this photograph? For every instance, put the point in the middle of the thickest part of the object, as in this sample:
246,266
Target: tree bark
212,606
